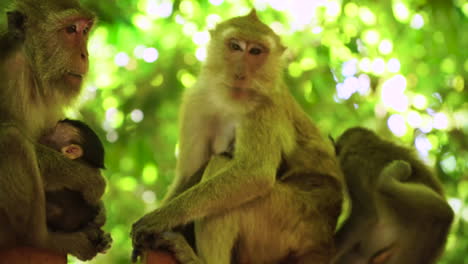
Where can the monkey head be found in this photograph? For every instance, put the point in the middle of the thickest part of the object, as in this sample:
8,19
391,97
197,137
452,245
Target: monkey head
53,36
244,56
352,137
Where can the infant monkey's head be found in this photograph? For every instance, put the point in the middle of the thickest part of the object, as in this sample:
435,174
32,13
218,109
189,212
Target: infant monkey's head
76,140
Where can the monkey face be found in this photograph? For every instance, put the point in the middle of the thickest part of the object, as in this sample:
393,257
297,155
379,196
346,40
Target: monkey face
56,45
247,58
74,38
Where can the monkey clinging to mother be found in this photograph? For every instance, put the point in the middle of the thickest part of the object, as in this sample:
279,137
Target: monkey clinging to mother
43,59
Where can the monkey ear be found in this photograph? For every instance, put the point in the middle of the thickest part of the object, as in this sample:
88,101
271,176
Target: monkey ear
16,22
72,151
253,14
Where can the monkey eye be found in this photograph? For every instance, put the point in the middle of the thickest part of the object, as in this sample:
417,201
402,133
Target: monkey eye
255,51
86,30
71,29
235,46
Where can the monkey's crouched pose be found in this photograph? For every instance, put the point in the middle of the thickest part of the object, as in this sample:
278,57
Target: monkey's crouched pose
43,59
278,198
399,213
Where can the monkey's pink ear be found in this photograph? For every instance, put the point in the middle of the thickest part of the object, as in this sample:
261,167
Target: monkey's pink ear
253,14
72,151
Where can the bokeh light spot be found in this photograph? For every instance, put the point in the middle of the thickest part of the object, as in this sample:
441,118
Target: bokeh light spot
216,2
351,9
448,163
440,121
393,93
378,66
150,173
148,197
127,183
367,16
419,102
371,36
150,55
137,115
396,124
385,47
417,21
400,11
393,65
414,119
200,54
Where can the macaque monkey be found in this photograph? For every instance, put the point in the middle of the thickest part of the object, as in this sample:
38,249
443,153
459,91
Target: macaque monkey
399,213
43,59
66,210
278,198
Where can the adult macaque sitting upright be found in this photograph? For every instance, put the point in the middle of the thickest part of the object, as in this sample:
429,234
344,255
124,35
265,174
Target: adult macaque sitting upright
278,198
399,213
43,59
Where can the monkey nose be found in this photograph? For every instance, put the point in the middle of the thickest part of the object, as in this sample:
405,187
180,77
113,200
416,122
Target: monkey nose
239,76
84,55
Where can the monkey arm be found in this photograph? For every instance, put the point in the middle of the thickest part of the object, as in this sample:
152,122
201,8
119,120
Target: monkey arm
413,198
21,190
194,151
251,174
60,172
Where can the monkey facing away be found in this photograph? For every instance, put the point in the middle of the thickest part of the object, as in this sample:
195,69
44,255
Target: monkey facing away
66,210
43,59
399,213
278,198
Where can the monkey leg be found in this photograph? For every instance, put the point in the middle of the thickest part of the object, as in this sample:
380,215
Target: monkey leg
424,219
286,225
215,237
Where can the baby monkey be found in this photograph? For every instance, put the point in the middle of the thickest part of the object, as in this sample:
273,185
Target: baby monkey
66,210
399,212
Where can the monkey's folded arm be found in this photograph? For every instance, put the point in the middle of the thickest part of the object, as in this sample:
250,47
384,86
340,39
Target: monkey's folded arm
59,172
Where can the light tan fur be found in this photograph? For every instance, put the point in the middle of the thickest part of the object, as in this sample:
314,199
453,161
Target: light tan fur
247,208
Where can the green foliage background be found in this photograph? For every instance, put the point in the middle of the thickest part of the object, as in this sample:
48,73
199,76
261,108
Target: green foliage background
350,63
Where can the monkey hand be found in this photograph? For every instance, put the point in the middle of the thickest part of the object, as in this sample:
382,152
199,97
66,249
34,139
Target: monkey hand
176,244
100,218
84,245
147,231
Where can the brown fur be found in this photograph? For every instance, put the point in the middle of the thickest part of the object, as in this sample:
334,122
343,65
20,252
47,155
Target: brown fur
243,209
399,214
37,56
